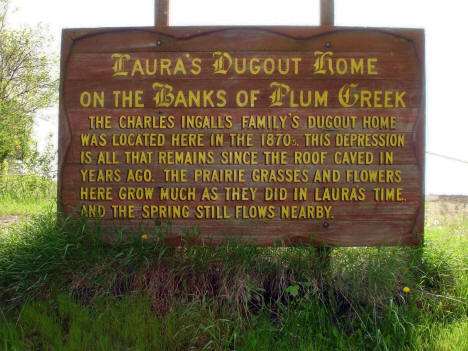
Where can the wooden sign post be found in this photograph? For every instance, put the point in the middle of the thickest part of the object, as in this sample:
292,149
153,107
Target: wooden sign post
327,12
161,13
260,133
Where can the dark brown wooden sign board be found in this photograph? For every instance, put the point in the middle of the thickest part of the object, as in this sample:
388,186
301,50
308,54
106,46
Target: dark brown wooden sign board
268,134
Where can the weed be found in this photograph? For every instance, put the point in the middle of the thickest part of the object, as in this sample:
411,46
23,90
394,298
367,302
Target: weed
62,285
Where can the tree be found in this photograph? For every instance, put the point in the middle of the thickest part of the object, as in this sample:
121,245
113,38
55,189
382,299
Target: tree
28,84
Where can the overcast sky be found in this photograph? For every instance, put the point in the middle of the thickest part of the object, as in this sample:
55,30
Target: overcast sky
446,51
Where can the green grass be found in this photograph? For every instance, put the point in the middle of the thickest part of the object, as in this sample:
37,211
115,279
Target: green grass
65,287
62,323
26,195
28,207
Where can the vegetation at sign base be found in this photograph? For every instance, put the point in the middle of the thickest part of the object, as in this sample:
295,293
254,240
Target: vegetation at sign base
64,287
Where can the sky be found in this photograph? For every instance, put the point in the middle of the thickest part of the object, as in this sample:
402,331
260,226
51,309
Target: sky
446,52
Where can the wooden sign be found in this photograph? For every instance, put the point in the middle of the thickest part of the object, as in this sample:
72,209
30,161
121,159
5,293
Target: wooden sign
298,134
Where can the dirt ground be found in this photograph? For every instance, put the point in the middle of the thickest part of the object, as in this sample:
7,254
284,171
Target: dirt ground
446,206
7,220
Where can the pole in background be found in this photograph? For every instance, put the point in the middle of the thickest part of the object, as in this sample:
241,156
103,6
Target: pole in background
327,12
161,12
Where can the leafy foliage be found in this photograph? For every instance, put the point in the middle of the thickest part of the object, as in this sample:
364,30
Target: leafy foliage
28,84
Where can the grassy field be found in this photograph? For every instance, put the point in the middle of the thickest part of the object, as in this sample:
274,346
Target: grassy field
64,288
26,195
26,208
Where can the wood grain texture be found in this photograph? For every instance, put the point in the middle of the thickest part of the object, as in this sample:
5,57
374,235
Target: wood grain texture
231,87
391,65
397,65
